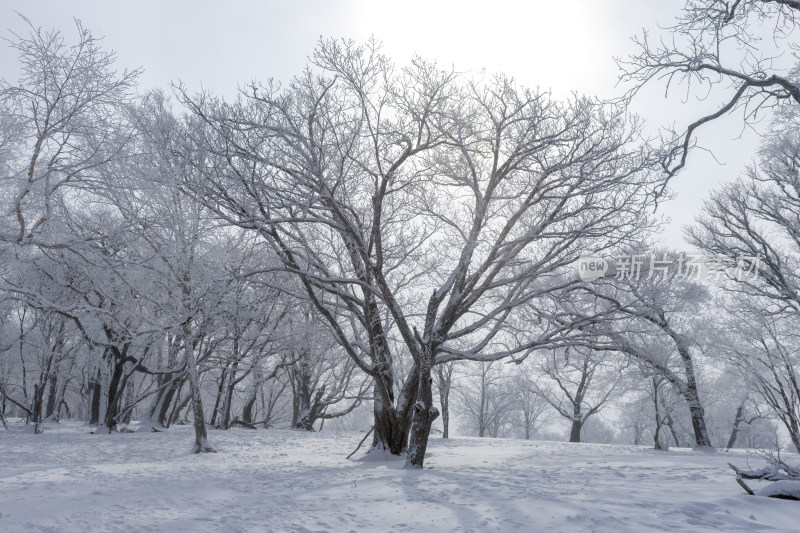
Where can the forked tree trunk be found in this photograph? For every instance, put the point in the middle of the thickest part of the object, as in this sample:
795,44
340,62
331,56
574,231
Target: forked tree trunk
391,430
116,357
59,401
392,424
424,414
225,413
671,425
3,410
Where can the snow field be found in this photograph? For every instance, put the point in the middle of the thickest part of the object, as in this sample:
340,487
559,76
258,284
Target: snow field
272,480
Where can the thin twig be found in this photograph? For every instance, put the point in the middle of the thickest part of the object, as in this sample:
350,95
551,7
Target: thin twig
360,443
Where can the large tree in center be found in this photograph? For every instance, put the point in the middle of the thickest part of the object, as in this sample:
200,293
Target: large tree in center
420,208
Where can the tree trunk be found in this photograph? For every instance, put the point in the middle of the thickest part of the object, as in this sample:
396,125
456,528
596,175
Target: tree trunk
201,444
227,400
225,414
659,419
95,391
129,399
671,425
51,398
301,395
110,418
424,414
692,397
445,378
175,415
794,434
38,400
3,410
220,391
391,432
393,424
172,393
247,409
575,432
446,416
701,437
657,437
735,429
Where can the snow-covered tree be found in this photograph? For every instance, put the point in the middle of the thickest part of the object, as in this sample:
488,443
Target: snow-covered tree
578,383
726,52
420,202
485,399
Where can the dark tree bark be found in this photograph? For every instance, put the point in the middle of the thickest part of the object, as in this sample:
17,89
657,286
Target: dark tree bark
38,393
51,398
247,409
179,406
110,420
230,386
659,420
575,430
424,413
392,424
738,419
95,391
220,391
692,396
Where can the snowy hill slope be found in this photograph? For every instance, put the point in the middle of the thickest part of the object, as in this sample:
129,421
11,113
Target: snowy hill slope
269,480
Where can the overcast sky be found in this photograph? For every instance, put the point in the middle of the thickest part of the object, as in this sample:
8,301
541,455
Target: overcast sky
565,46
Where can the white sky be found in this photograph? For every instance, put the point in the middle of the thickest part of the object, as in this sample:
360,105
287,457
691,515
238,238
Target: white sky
565,46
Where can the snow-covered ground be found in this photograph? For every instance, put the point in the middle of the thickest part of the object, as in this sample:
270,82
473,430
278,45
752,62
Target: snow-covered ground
68,480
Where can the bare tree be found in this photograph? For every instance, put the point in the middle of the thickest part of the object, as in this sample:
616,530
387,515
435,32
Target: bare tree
444,384
653,316
378,185
765,351
531,410
718,50
61,124
485,399
578,384
325,383
754,221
